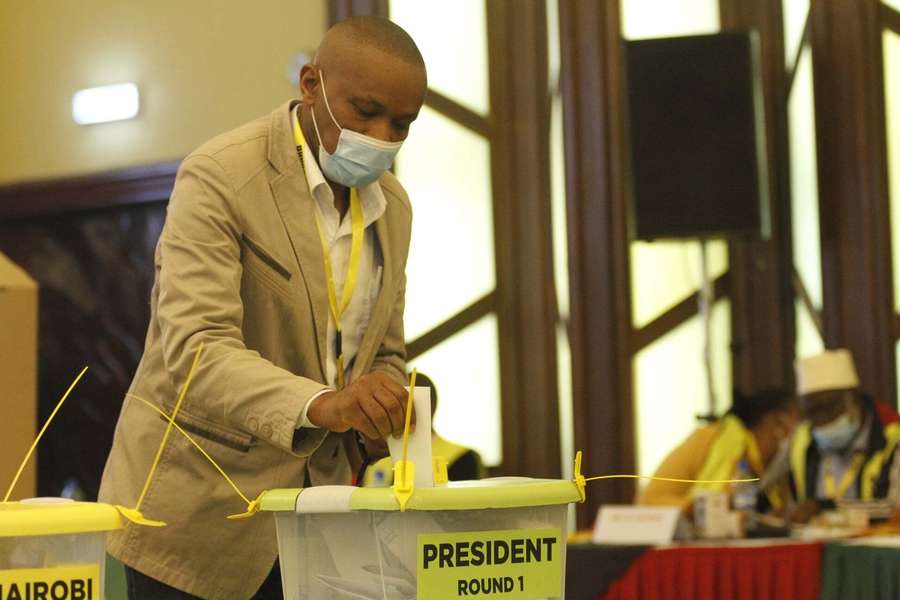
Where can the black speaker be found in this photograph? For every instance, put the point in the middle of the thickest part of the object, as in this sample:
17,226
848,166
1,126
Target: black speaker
696,137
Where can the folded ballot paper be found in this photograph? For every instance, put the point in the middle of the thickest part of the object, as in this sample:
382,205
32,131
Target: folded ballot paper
419,451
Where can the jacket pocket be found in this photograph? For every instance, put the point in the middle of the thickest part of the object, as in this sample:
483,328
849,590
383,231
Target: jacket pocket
213,432
259,262
266,258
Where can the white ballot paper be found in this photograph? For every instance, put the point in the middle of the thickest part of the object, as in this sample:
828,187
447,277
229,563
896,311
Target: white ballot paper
419,441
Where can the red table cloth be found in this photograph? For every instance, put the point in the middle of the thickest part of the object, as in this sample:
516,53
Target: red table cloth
778,571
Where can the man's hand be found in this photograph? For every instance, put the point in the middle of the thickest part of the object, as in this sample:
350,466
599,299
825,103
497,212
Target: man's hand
374,405
805,511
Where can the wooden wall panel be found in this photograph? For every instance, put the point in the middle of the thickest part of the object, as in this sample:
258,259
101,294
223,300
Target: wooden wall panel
526,297
600,322
762,310
853,193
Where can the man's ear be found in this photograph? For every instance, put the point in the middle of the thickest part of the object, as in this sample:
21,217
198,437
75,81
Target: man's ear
309,83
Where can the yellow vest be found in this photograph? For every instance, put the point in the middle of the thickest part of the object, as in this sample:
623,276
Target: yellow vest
870,472
733,442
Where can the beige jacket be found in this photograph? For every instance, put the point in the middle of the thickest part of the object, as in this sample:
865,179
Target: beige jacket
239,267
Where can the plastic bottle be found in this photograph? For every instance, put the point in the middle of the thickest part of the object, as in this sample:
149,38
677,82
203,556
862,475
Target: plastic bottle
744,495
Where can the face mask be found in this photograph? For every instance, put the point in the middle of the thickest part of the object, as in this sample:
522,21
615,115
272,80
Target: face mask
358,159
836,435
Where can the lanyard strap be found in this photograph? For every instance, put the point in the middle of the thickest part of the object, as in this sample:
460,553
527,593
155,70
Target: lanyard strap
358,230
834,493
754,458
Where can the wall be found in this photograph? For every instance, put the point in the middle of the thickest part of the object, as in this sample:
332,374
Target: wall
200,72
669,378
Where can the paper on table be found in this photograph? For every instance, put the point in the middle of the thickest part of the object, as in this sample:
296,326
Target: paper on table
419,441
617,524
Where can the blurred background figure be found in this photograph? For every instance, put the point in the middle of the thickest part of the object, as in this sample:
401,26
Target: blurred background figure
463,463
847,447
749,441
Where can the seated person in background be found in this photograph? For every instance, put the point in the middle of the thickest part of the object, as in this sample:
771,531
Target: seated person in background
744,443
463,463
847,448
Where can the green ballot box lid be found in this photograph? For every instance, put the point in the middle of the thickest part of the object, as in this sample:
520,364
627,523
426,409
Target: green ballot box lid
496,493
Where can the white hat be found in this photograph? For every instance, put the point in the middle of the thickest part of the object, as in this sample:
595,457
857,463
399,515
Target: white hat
831,370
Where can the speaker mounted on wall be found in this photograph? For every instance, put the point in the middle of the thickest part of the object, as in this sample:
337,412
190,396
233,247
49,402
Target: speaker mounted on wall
696,138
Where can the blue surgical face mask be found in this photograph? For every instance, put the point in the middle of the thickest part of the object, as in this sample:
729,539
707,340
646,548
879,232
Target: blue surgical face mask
358,159
836,435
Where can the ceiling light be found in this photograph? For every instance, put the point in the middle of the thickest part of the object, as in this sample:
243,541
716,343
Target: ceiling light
105,103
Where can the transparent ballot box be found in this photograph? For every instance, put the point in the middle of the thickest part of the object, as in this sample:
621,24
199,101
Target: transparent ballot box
54,548
495,538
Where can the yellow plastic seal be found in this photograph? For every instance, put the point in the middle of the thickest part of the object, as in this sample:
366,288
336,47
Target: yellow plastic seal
137,517
404,469
439,467
252,509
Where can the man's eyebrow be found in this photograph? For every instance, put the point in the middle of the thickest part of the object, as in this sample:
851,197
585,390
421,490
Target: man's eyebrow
373,104
368,101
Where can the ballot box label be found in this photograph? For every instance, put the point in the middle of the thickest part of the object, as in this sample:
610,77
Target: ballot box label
81,582
514,563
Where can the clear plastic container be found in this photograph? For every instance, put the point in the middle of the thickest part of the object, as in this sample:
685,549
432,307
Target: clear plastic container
53,548
40,551
373,554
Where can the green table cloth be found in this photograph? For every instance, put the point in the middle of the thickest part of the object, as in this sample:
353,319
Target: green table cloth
862,570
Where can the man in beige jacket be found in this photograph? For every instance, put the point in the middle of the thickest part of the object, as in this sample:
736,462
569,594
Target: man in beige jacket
261,220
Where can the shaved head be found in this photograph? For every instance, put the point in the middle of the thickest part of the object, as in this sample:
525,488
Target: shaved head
368,76
373,33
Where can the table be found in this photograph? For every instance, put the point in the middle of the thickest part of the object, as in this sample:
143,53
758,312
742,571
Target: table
733,570
863,569
592,568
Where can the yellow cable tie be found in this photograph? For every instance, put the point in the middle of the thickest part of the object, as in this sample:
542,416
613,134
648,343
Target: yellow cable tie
404,482
34,444
252,509
409,410
196,445
165,439
581,481
404,470
579,478
439,468
671,479
137,517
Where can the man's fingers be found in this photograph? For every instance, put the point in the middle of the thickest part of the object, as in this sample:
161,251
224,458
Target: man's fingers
377,415
363,424
393,397
399,392
393,408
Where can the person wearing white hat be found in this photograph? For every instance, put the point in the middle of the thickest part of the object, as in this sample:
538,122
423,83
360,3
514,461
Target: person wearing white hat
846,448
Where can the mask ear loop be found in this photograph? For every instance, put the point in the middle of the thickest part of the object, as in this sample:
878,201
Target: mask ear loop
327,105
312,111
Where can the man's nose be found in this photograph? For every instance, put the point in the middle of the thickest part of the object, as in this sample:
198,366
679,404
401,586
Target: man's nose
382,130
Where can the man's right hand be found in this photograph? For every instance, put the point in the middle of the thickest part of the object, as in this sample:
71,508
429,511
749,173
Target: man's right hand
374,405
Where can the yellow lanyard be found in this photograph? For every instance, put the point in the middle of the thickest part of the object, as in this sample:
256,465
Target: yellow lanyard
754,458
358,229
849,477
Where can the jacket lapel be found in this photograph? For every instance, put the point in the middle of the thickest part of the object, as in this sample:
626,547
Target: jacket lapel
384,305
295,205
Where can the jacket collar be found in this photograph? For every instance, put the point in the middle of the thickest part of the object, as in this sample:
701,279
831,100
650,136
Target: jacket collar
282,152
295,205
